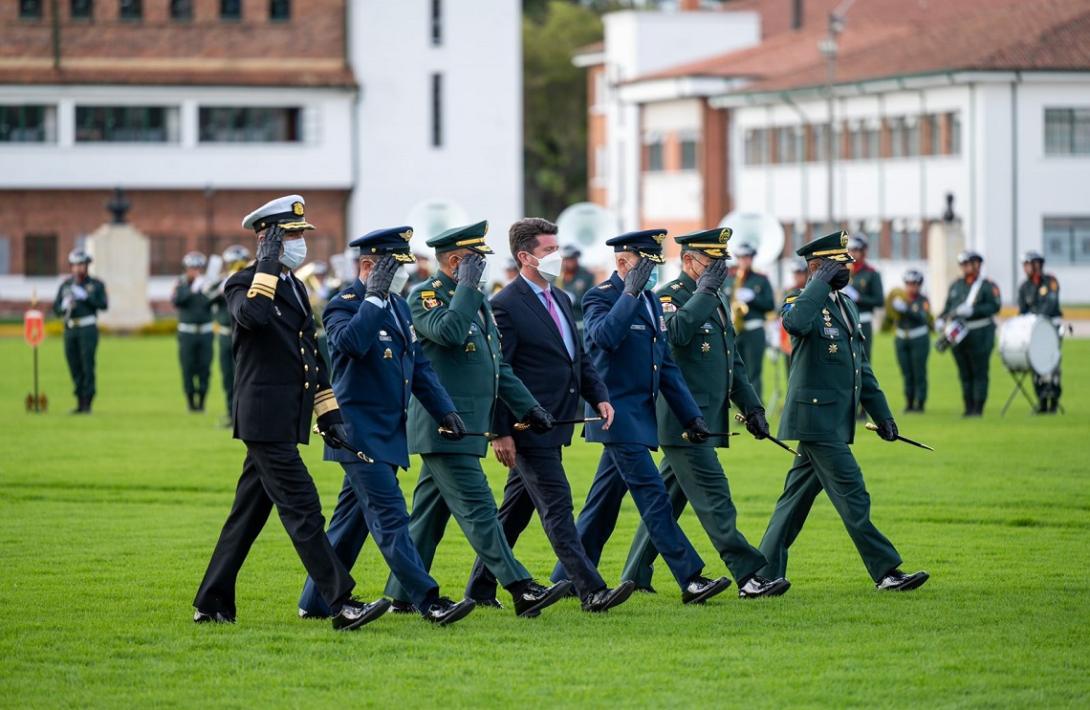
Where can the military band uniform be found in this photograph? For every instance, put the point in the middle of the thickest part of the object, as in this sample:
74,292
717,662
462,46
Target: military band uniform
1042,297
912,346
788,296
195,337
221,315
576,287
751,340
973,354
459,336
868,296
703,344
78,304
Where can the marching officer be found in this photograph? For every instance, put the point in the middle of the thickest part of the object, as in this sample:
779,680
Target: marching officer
458,333
235,258
1040,294
79,299
195,330
865,289
799,275
974,300
279,381
574,279
752,299
703,344
830,378
626,337
912,321
378,365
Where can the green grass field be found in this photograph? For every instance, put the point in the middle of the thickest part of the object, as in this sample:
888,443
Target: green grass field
107,522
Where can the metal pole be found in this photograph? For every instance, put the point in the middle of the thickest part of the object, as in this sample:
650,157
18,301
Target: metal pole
37,398
830,139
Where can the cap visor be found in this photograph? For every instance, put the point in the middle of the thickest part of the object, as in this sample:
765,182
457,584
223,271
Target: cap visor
481,249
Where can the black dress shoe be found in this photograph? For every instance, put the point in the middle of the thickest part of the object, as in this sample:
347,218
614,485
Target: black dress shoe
701,589
898,581
399,607
443,611
207,617
355,613
304,614
534,597
646,589
605,599
758,586
492,603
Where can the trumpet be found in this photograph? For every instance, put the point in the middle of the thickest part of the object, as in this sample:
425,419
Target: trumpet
888,314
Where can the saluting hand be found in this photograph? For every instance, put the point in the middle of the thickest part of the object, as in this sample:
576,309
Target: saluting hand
828,270
712,279
381,276
470,270
637,276
271,244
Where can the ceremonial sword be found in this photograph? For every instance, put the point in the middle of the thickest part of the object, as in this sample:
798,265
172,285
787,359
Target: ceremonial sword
741,419
521,426
874,427
338,444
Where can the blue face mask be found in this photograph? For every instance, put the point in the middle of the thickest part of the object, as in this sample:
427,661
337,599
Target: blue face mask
653,280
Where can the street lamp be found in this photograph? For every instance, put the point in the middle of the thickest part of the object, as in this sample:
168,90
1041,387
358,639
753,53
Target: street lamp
829,47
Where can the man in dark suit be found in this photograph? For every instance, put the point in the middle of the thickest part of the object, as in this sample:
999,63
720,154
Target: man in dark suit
626,336
279,382
541,342
378,365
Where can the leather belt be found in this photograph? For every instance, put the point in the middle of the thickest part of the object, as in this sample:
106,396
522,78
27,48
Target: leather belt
81,322
916,332
195,327
866,316
753,324
978,323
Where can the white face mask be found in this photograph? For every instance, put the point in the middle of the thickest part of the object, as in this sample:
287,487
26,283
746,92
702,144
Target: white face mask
295,253
485,276
401,277
549,266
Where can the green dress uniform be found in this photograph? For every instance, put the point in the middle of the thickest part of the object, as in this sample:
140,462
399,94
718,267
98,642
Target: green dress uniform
194,341
912,345
867,283
576,287
789,295
222,318
703,344
973,354
78,303
459,336
1041,296
751,341
830,378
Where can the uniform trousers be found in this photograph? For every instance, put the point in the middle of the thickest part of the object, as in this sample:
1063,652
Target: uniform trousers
751,346
195,355
273,474
832,467
455,484
371,500
227,369
624,468
538,482
80,344
694,474
973,356
912,356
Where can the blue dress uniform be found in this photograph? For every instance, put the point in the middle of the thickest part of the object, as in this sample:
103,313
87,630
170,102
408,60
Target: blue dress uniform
627,342
378,365
830,378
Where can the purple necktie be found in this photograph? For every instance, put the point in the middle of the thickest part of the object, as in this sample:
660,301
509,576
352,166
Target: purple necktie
552,311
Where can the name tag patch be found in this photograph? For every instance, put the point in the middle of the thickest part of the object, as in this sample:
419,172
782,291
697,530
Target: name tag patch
383,335
831,333
638,326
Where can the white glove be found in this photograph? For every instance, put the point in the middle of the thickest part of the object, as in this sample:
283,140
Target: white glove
78,292
66,303
940,325
745,295
964,310
850,292
899,305
196,285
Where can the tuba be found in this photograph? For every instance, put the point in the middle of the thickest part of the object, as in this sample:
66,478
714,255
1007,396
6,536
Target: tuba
888,317
737,308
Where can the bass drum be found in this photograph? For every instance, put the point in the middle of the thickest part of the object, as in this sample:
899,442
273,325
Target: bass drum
1029,343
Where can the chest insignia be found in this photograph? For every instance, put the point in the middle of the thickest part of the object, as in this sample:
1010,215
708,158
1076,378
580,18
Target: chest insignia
388,354
832,333
428,300
706,348
383,335
412,331
1043,290
675,286
833,348
915,307
436,284
471,347
662,324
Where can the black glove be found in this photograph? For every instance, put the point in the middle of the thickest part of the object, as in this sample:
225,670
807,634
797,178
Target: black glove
712,279
697,431
756,424
454,429
382,274
637,277
888,430
827,271
334,434
470,270
271,244
540,421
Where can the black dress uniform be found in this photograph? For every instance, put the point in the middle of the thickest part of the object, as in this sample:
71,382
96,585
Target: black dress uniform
195,333
78,302
1040,294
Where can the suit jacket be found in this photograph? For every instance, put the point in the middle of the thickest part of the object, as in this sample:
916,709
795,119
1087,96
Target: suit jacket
458,333
378,366
535,349
702,342
830,375
278,375
629,348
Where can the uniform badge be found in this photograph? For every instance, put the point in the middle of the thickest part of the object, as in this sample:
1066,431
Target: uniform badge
662,324
412,331
669,308
348,295
277,309
832,333
706,347
471,347
428,300
833,349
675,286
605,286
1043,290
915,307
437,283
383,335
388,354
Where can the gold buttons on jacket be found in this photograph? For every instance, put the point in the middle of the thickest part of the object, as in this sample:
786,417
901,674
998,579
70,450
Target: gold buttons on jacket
306,368
306,385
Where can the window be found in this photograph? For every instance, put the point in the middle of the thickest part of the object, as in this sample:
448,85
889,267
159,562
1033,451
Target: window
280,10
912,136
166,254
181,9
5,254
897,133
437,110
688,154
789,141
436,22
1067,131
28,124
913,242
859,149
955,134
230,9
756,146
655,155
935,135
126,124
255,124
821,143
1067,240
40,255
131,10
30,9
82,9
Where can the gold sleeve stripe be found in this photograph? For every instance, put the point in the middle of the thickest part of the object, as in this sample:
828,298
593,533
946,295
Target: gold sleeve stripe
263,290
269,280
323,396
326,405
